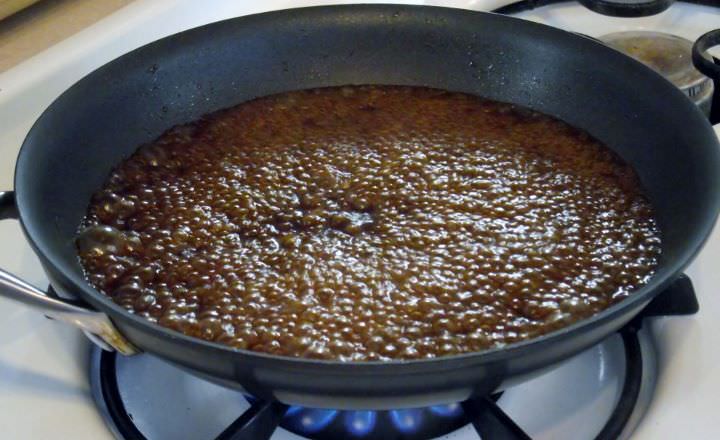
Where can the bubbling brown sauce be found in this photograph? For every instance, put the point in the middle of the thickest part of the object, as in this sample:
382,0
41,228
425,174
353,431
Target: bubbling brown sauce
369,223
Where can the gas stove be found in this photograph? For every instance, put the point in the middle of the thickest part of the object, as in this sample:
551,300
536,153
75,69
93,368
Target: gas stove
602,393
656,380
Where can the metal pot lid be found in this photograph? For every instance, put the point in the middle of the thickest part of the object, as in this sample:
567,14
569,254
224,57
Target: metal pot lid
668,55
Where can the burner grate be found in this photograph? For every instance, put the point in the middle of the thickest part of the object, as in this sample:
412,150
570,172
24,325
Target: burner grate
262,419
528,5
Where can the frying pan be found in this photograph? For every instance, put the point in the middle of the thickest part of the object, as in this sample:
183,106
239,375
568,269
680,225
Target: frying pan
103,118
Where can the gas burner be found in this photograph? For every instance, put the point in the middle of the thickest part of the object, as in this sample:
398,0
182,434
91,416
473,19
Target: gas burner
407,424
145,398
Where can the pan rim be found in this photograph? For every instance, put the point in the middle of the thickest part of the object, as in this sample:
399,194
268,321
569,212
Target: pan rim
657,283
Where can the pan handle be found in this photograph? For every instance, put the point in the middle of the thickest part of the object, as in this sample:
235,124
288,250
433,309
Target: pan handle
96,325
702,60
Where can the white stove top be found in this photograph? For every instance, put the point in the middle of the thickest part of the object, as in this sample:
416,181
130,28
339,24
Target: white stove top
44,365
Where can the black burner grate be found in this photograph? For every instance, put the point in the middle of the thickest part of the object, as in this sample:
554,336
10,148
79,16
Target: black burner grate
528,5
262,418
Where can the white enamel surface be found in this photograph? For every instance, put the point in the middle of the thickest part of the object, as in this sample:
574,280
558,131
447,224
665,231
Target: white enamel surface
44,391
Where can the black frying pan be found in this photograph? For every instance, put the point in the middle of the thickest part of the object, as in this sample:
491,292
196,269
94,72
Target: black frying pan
104,117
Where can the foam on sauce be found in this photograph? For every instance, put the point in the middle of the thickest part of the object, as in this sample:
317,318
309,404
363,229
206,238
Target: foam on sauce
369,223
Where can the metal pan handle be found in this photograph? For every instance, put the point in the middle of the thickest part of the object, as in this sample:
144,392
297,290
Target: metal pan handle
96,325
702,60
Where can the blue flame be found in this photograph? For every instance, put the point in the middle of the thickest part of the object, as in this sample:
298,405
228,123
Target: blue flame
452,410
360,423
293,410
313,420
406,420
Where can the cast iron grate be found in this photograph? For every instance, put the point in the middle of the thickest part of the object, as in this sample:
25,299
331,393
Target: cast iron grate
262,418
527,5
